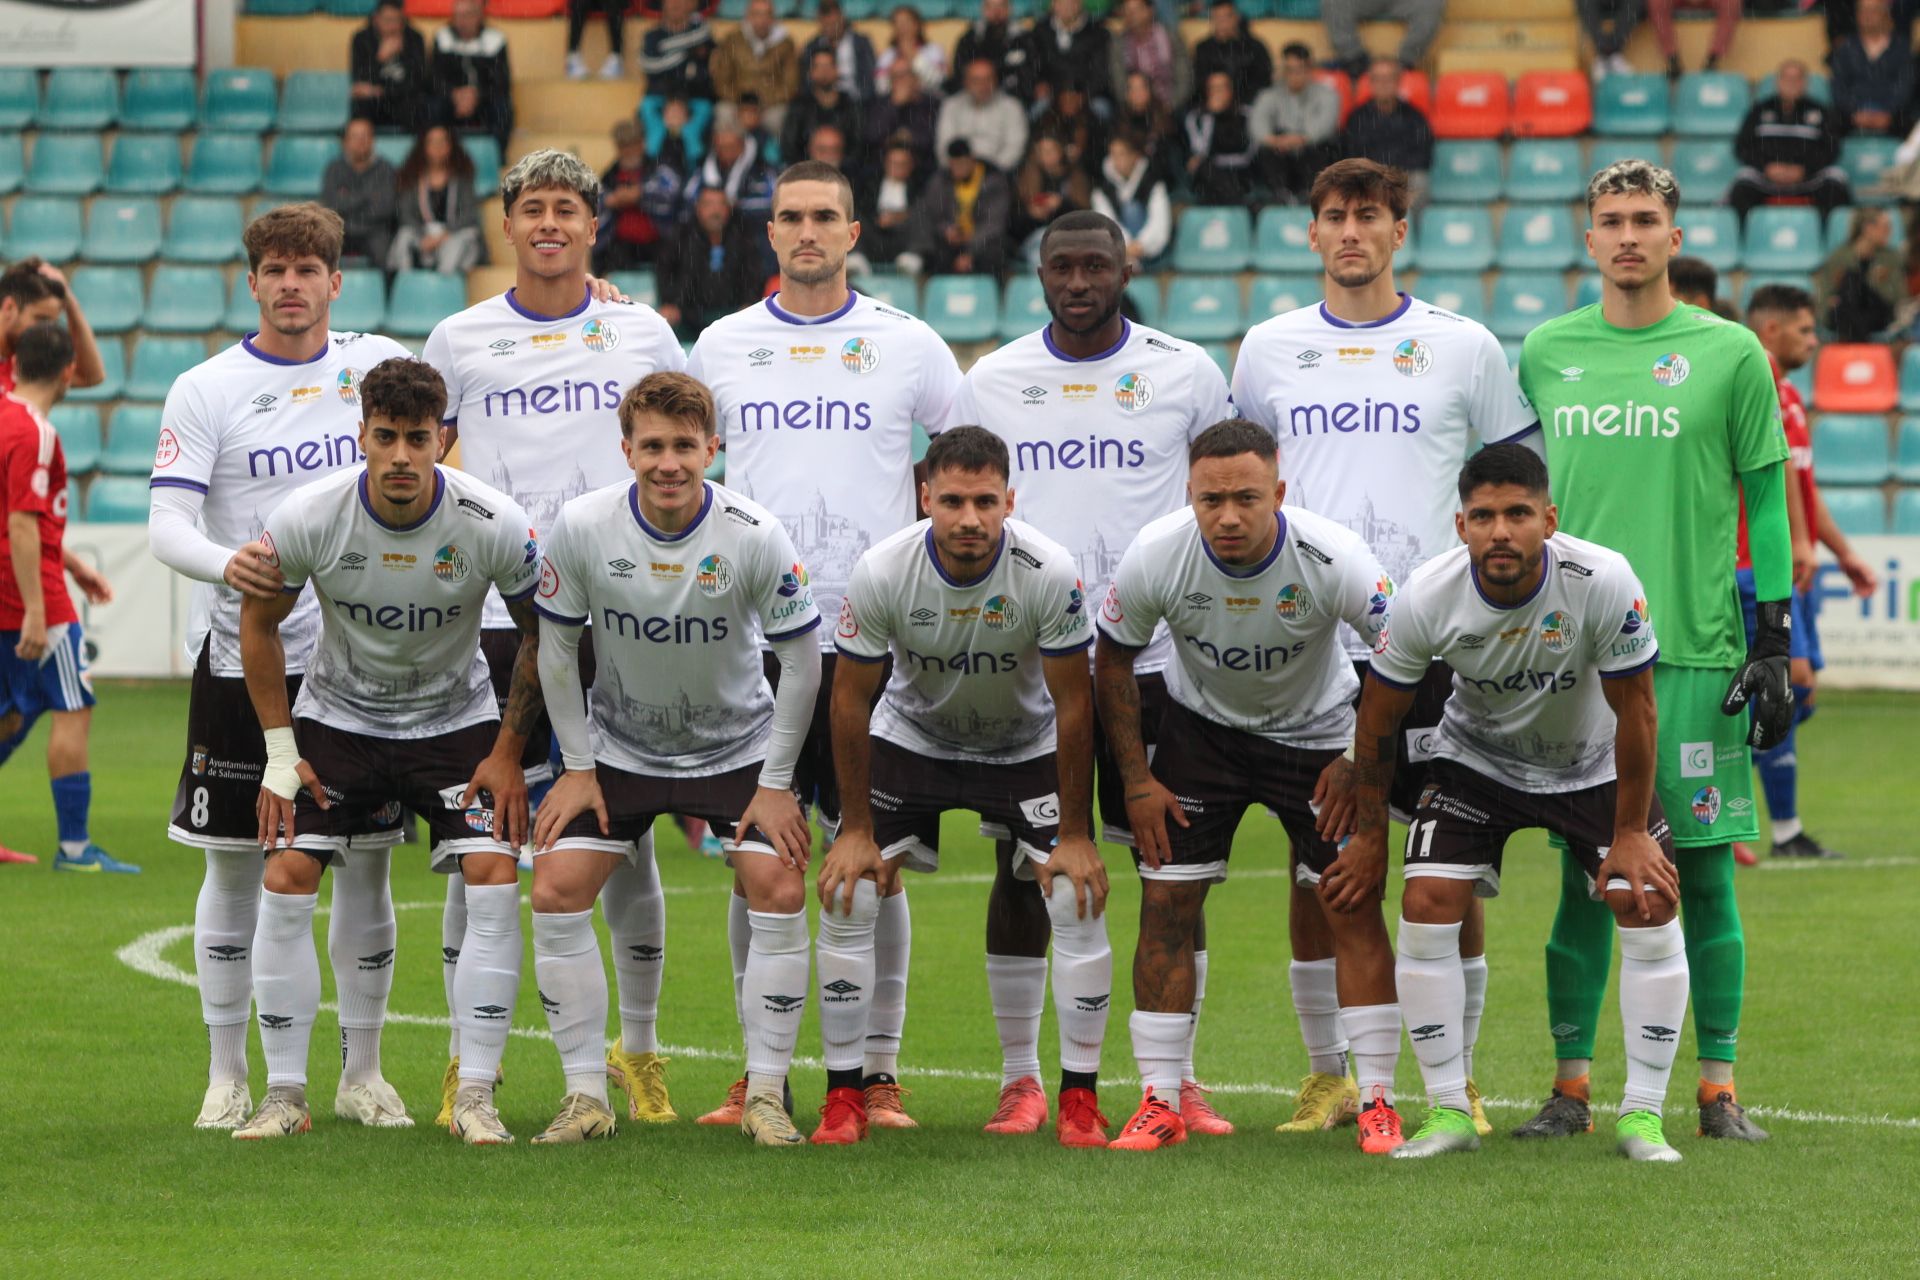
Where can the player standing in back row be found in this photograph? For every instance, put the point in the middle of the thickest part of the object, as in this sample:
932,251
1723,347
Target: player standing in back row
1658,416
818,388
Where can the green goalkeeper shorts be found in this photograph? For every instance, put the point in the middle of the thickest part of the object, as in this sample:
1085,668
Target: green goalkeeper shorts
1704,776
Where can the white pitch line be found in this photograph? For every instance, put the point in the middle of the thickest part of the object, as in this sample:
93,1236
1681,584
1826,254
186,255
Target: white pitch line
145,956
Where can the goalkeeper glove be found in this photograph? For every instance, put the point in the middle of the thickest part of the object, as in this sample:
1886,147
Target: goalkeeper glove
1763,679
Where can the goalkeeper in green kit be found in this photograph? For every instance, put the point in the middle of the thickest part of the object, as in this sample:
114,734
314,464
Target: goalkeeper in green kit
1657,416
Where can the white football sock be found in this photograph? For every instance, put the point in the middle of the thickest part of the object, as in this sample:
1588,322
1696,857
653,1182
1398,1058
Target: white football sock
453,935
887,1011
636,913
1433,997
487,979
224,919
1082,978
1653,1003
1018,987
739,940
286,982
844,961
1193,1023
1785,829
1159,1044
360,944
1474,970
774,996
573,991
1374,1032
1316,1001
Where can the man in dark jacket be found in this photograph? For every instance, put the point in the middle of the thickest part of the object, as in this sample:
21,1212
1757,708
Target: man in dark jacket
1068,44
1789,147
824,102
994,37
359,185
1229,47
471,73
712,268
1873,74
855,65
392,83
1389,131
961,223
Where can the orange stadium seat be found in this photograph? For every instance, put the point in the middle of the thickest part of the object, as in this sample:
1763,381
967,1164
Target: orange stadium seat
495,9
1552,104
1471,104
1341,84
1855,377
1415,89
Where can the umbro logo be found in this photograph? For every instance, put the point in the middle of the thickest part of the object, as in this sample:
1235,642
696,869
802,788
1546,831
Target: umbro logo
491,1012
1658,1033
760,355
1472,641
1090,1004
923,616
784,1004
1572,373
503,344
265,403
1431,1031
1034,395
1563,1031
1199,599
450,954
549,1003
646,951
840,987
623,565
378,960
227,951
275,1021
1308,359
352,560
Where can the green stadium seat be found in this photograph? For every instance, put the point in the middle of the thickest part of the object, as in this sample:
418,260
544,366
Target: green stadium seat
281,8
113,359
78,426
1538,237
203,229
1277,295
1704,167
298,162
133,433
962,308
393,148
638,285
1205,308
1910,379
1710,104
1753,280
485,154
1783,238
226,164
66,164
13,163
1023,307
1280,240
146,164
1906,512
1464,171
1143,296
1851,448
1212,238
1523,299
1840,219
891,289
243,313
1818,88
44,226
1866,159
1586,290
314,102
1711,233
1632,105
362,304
1860,512
1408,258
238,99
186,299
1461,292
1544,169
1456,237
159,98
157,362
1604,151
1221,354
80,98
119,499
421,300
112,297
19,97
122,229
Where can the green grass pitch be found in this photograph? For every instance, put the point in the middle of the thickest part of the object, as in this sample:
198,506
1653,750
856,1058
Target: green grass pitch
102,1067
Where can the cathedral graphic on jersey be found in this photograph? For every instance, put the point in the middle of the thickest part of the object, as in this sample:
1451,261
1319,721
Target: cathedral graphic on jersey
677,726
542,506
1099,560
417,688
829,545
1397,549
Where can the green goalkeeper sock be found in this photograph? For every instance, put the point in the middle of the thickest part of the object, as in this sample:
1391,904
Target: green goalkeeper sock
1579,954
1716,948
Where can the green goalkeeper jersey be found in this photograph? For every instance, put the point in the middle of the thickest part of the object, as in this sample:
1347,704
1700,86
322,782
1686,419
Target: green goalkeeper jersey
1647,431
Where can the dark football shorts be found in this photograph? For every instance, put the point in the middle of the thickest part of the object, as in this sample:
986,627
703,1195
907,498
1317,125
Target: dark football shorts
1107,784
368,780
909,792
500,647
1217,772
1463,818
635,800
813,775
1415,746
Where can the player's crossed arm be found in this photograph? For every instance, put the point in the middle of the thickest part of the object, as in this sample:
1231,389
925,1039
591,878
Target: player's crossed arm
1358,875
855,855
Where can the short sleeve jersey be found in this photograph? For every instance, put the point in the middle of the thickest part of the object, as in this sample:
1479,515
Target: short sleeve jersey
1098,445
246,429
678,686
1647,432
1375,420
1793,424
399,652
1527,709
6,373
33,479
967,681
537,398
1255,647
817,417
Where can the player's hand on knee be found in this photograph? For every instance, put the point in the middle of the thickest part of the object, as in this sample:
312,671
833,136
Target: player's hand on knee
575,792
1637,858
1079,860
503,779
252,571
1149,806
776,812
1334,804
853,857
1358,876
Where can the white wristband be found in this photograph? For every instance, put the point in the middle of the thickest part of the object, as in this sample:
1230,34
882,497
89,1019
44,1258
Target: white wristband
281,776
1347,755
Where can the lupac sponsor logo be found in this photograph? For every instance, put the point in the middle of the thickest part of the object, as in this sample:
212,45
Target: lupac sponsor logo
1368,416
1636,617
793,581
1631,420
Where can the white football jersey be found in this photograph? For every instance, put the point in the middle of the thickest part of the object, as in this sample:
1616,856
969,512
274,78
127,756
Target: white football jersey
399,652
1099,446
1376,420
1527,709
1256,648
537,398
247,429
817,414
966,683
678,686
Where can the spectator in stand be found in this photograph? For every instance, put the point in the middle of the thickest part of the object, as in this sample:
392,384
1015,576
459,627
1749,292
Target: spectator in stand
886,209
1609,24
392,84
629,234
578,13
1132,193
994,37
715,266
733,165
1726,18
1843,20
1873,79
910,49
907,111
1343,19
1069,44
962,218
1070,119
1220,148
439,212
1148,118
1389,131
1048,185
828,145
757,57
1295,120
1146,46
824,103
1789,148
360,186
471,73
680,149
676,57
747,117
853,58
1861,286
994,125
1231,48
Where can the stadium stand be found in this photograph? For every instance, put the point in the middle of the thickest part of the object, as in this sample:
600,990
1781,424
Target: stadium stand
132,433
80,98
146,164
13,163
123,229
224,164
1851,449
203,229
159,98
1854,378
66,164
